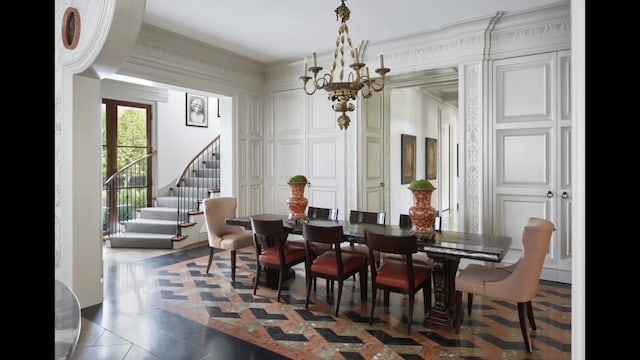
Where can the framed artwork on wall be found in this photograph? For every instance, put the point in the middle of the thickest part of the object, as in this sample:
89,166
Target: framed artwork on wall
196,112
408,160
431,159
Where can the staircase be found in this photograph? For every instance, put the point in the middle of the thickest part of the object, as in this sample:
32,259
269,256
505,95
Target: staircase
176,219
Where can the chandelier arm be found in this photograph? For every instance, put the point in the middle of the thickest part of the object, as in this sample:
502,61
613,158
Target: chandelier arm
304,85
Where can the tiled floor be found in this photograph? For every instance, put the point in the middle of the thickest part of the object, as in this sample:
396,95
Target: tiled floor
161,304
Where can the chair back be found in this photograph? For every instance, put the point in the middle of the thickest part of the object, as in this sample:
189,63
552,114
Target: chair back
393,244
398,276
322,234
330,235
367,217
216,212
318,213
267,234
524,281
405,221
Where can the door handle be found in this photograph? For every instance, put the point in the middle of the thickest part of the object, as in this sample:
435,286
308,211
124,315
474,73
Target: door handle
549,194
565,195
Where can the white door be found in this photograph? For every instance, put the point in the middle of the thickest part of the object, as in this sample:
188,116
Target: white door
371,171
531,153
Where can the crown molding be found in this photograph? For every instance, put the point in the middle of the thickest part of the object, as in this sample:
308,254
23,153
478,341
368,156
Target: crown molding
166,57
126,91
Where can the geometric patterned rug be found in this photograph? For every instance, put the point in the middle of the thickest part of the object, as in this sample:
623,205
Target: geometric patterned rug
287,328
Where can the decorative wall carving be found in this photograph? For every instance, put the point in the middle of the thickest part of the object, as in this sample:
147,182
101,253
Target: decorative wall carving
472,147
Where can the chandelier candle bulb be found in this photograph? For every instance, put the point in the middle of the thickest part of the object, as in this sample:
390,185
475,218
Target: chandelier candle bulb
315,59
305,67
381,62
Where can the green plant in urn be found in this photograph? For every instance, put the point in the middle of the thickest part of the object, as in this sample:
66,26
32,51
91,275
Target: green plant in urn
297,202
422,213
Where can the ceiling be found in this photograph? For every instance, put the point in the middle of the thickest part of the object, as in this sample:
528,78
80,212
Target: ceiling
270,31
286,30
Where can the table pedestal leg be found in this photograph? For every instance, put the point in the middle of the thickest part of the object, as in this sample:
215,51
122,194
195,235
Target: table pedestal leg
272,275
443,312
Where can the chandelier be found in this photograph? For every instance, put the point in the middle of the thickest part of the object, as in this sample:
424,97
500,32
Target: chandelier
342,90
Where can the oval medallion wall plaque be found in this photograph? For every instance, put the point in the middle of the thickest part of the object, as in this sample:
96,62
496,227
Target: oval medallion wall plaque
71,28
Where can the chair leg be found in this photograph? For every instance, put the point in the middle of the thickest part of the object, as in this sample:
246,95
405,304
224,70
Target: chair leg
255,284
309,280
233,266
385,301
426,297
363,284
374,292
281,276
522,309
532,321
412,297
210,258
340,283
469,303
459,311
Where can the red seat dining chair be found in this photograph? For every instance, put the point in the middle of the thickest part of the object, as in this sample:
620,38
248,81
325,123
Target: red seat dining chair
364,217
223,236
405,277
517,283
419,258
333,265
273,251
318,213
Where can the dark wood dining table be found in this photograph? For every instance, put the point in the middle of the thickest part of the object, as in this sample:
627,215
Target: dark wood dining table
446,250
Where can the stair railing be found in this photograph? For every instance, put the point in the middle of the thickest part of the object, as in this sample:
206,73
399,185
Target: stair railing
124,192
199,179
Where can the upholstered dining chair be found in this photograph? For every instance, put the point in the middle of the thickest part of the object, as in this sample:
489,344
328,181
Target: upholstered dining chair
364,217
320,213
518,283
405,221
420,258
273,251
223,236
333,265
317,213
405,277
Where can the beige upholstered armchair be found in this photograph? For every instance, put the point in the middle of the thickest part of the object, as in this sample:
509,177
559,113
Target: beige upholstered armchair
221,235
518,283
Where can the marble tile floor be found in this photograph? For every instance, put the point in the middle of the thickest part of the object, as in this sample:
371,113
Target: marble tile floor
160,304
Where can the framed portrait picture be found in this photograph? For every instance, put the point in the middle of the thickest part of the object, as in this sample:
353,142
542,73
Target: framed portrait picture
408,160
197,112
431,159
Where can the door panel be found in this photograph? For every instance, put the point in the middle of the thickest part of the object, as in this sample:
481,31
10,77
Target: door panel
532,132
373,157
514,212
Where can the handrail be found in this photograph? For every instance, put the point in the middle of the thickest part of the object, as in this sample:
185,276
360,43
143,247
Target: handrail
133,163
189,166
125,192
198,180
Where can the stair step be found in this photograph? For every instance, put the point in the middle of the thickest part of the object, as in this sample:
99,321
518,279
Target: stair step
207,172
202,182
153,226
142,240
172,202
160,213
